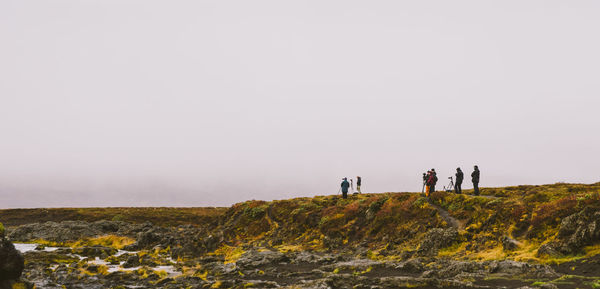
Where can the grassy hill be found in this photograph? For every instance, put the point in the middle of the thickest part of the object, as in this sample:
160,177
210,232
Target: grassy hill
503,223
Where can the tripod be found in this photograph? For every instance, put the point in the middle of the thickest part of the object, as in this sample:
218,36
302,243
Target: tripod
450,186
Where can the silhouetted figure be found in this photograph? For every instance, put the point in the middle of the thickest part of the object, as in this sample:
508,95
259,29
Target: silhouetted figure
345,185
432,180
475,180
459,179
358,183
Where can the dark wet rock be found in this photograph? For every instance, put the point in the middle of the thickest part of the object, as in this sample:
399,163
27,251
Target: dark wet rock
12,262
436,239
132,261
146,260
164,281
94,251
411,266
152,237
352,265
511,268
256,258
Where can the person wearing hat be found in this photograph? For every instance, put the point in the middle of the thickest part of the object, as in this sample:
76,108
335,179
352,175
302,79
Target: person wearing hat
475,180
345,185
459,179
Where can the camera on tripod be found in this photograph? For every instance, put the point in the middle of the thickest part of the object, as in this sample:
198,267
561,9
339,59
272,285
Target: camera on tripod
450,186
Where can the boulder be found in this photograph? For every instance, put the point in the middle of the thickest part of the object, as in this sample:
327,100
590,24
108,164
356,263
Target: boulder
436,239
576,231
255,258
95,251
132,261
11,261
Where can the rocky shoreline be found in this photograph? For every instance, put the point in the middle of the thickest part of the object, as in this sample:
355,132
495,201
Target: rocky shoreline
144,263
515,237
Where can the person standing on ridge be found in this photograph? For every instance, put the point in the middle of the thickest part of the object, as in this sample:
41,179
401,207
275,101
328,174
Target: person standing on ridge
345,185
351,185
425,183
358,183
432,180
459,179
475,180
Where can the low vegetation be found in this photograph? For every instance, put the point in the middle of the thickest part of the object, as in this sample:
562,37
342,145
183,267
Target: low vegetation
387,225
160,215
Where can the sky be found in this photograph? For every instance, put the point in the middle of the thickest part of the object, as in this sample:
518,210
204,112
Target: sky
210,103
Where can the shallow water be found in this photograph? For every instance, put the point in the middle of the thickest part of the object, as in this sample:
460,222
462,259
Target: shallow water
170,269
24,248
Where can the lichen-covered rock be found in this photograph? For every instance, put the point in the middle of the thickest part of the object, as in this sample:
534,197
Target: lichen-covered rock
435,239
576,231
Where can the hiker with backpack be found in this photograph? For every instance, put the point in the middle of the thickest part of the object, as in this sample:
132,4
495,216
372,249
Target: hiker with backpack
475,180
431,181
344,186
358,183
459,179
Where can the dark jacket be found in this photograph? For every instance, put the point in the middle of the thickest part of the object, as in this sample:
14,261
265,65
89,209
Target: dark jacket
475,176
358,181
459,177
345,186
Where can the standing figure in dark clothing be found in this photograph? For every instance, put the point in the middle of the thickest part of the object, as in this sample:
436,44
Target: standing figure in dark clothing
459,179
425,185
432,180
475,180
358,183
345,185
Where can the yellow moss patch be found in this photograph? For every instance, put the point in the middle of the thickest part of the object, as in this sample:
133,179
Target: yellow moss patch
202,275
19,285
117,242
452,250
490,254
592,250
112,241
231,254
289,248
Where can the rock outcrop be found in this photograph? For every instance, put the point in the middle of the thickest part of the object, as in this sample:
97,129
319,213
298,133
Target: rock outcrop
576,231
11,263
436,239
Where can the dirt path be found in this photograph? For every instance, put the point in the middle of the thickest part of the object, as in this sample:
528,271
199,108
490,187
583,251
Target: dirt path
451,220
446,216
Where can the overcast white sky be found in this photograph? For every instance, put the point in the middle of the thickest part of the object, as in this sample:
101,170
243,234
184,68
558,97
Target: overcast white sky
198,103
